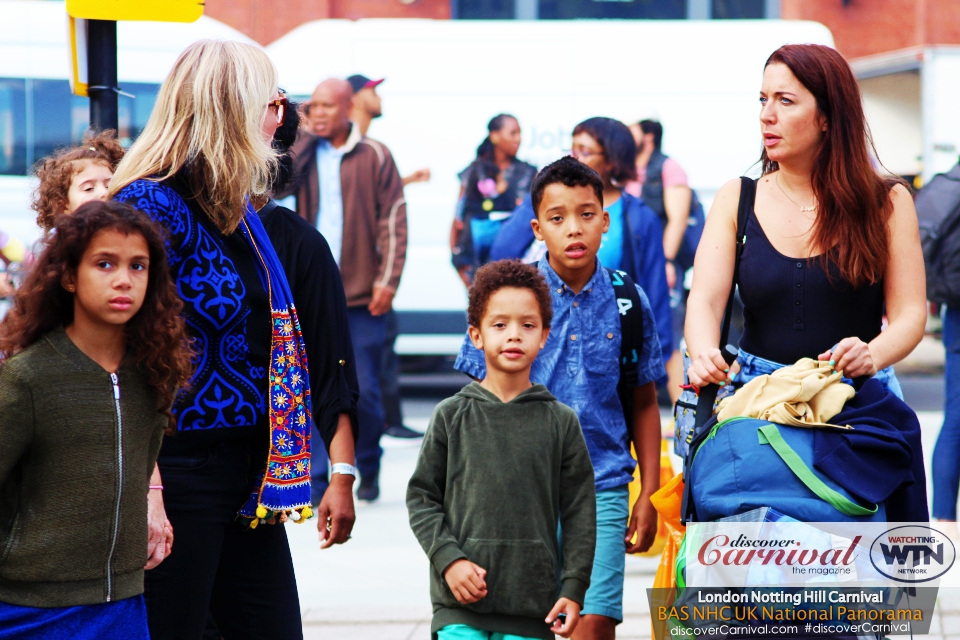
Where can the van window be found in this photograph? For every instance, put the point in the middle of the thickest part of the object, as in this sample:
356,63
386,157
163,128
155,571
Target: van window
13,127
38,117
738,9
640,9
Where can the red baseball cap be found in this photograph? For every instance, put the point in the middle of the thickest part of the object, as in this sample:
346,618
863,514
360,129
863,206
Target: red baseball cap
359,82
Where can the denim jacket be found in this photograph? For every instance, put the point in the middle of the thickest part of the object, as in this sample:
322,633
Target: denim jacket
580,366
643,258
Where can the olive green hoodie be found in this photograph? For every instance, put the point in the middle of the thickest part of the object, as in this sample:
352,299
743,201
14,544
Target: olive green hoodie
77,447
492,482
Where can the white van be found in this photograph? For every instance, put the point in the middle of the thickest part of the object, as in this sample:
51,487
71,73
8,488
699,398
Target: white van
38,114
446,79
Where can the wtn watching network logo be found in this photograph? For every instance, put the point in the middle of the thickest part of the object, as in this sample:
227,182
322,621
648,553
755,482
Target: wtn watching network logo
913,553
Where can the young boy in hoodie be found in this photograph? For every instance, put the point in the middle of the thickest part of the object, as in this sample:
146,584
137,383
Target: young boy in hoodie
502,464
580,365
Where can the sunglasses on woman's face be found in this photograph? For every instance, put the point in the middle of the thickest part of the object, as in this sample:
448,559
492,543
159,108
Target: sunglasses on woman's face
280,106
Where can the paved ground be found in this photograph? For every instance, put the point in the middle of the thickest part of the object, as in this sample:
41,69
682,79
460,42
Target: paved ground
376,586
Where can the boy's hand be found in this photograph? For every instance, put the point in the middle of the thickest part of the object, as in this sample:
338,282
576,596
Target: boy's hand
466,580
572,610
643,523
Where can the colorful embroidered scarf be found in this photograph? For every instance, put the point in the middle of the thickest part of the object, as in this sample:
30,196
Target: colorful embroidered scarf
284,484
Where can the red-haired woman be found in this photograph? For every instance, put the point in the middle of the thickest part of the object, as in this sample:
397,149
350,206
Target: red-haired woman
830,246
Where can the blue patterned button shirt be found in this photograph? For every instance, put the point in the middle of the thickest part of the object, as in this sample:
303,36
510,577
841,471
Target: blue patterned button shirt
580,366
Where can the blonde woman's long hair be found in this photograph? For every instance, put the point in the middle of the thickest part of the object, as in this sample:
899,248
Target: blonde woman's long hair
208,119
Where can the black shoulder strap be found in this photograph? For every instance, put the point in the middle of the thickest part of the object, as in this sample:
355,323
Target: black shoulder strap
748,194
631,325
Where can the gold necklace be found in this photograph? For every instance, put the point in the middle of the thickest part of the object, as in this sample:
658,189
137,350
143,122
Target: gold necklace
802,209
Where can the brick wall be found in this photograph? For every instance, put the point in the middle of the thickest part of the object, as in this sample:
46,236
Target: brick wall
267,20
866,27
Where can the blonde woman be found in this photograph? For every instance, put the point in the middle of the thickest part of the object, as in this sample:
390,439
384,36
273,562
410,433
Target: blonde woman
240,458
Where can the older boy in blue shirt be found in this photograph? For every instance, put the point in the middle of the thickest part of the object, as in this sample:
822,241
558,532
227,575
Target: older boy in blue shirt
580,366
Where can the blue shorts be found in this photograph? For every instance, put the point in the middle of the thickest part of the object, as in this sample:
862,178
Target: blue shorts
465,632
605,595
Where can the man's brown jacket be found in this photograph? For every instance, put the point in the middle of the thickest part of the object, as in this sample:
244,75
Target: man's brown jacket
374,245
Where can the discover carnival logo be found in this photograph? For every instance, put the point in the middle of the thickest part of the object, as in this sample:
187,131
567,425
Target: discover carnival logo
743,550
912,554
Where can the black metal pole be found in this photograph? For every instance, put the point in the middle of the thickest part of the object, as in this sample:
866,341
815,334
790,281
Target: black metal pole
102,73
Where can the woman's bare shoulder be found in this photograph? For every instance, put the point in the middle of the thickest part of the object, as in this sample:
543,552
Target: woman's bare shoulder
727,201
903,209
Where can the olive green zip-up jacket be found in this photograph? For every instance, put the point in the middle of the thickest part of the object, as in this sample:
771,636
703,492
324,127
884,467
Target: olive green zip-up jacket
492,482
77,448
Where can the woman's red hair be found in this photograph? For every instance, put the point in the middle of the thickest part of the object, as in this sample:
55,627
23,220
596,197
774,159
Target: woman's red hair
156,336
853,200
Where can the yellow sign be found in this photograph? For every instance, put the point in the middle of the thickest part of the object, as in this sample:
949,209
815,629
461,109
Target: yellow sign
149,10
78,55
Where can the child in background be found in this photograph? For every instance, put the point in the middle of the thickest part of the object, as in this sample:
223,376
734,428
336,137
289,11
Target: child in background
502,464
91,356
73,176
11,250
580,365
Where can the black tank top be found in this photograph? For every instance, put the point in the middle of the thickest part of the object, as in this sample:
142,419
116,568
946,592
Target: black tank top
792,310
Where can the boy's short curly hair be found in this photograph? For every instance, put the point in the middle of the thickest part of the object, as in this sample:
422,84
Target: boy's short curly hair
57,171
494,276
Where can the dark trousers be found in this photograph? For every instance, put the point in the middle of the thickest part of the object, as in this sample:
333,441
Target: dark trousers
243,577
368,333
390,374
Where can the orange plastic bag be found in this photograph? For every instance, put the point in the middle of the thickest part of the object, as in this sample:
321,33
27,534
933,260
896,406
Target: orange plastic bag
666,474
667,502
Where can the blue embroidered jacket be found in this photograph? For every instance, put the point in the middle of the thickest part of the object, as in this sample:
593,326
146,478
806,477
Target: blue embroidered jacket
226,310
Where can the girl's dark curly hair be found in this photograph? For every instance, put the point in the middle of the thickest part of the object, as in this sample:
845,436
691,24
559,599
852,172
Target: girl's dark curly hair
156,336
56,172
498,275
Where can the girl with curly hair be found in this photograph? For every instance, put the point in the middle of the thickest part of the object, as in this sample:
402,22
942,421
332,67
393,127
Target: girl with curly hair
75,175
91,357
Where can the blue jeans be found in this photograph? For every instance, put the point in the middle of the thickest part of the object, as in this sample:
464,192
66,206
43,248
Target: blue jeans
946,455
751,366
368,333
390,374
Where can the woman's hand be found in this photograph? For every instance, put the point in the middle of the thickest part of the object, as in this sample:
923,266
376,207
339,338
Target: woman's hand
710,368
336,511
851,356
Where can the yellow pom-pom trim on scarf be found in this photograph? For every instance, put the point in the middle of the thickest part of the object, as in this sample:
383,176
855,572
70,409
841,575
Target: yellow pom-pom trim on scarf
296,515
